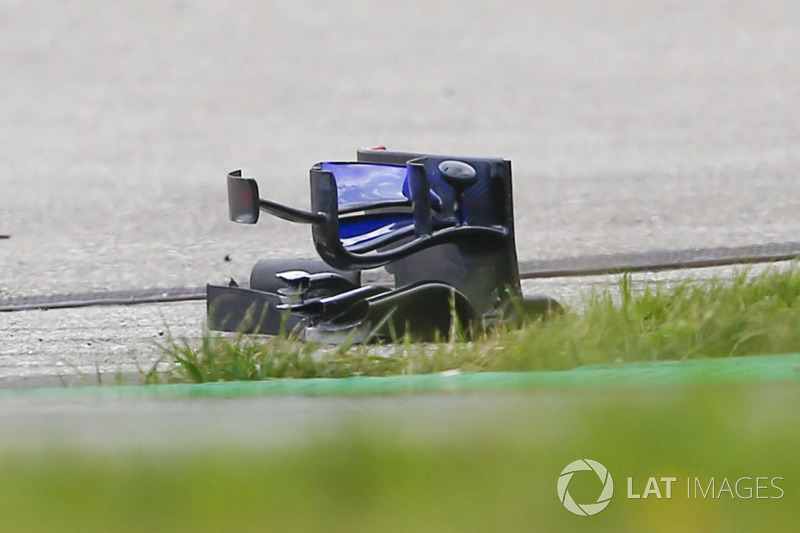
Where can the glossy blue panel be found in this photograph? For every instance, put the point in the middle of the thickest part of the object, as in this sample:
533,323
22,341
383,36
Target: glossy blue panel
356,230
364,183
361,183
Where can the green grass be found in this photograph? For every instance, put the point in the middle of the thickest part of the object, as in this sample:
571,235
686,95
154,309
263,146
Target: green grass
461,468
746,315
438,470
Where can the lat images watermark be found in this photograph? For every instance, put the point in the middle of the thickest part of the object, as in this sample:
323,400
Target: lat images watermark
665,487
713,488
585,509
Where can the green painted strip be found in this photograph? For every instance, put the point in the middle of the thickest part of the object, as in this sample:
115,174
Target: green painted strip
763,368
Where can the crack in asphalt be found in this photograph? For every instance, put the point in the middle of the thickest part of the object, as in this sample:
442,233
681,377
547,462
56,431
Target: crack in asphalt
659,260
588,265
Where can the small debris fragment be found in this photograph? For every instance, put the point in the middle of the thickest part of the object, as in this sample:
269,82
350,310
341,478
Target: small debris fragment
227,258
232,283
5,236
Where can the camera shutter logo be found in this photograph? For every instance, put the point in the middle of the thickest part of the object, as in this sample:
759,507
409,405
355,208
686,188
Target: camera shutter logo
585,509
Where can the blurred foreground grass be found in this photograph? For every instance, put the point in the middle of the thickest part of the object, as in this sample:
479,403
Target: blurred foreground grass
461,470
443,471
748,314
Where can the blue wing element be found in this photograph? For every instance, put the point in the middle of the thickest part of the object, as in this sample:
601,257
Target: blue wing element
364,185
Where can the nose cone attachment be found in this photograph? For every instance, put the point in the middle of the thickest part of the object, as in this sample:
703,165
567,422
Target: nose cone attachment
458,173
460,176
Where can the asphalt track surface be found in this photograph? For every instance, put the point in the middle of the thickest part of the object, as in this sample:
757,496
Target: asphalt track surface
632,126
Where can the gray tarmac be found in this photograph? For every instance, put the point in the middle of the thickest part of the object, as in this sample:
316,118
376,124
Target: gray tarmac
632,126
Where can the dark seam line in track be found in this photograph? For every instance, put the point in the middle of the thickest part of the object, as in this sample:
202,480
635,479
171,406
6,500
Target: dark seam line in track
93,299
590,265
659,260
